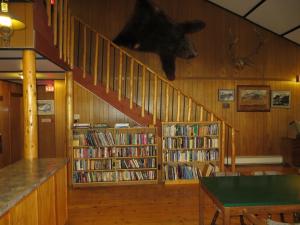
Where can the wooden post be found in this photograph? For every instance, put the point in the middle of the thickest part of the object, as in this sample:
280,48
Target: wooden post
167,103
48,4
84,52
143,90
222,155
72,42
55,23
233,150
60,28
189,110
30,105
69,120
211,117
107,66
155,99
131,83
120,76
96,60
65,41
178,106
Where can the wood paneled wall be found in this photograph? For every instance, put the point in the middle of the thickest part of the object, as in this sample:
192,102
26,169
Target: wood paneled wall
260,133
11,123
276,64
94,110
277,60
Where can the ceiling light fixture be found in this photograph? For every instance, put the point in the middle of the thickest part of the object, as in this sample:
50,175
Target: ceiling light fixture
8,24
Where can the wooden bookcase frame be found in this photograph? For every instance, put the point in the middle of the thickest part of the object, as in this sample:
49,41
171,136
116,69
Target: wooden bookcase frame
199,164
116,159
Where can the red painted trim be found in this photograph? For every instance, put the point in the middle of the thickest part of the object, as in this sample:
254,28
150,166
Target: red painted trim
112,99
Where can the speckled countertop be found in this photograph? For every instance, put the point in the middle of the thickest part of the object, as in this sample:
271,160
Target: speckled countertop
21,178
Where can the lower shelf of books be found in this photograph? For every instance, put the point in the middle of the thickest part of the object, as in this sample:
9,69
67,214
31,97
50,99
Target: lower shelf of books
123,177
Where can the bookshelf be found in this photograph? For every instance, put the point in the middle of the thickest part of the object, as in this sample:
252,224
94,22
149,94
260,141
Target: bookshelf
190,150
114,156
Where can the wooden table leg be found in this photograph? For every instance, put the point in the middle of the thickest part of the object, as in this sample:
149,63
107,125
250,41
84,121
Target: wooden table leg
201,205
226,216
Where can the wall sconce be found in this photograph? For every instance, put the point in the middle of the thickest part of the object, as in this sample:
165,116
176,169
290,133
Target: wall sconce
8,24
297,78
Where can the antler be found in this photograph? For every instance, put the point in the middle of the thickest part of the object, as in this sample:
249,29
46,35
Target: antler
239,62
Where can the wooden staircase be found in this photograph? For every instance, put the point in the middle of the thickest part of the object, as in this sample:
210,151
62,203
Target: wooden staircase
123,81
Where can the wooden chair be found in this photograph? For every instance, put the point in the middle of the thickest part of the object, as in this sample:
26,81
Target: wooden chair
258,221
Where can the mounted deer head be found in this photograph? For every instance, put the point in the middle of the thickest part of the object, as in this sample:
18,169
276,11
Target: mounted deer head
239,62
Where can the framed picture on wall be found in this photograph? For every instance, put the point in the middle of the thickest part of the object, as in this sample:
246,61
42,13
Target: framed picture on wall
253,98
281,99
226,95
45,107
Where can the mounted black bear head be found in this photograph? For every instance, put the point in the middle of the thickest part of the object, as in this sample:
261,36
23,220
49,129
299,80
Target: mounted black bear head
151,30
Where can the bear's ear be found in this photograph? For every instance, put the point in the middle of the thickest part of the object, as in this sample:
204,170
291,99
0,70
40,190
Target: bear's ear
191,26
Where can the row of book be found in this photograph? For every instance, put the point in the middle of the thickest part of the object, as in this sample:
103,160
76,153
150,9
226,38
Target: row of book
134,138
93,164
186,172
89,177
135,163
191,156
191,130
108,152
136,151
136,175
90,152
102,139
190,142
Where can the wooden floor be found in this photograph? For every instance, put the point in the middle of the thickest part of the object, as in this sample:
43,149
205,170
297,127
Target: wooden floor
136,205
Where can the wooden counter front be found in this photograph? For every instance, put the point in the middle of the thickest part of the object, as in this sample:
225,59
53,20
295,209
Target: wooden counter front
38,193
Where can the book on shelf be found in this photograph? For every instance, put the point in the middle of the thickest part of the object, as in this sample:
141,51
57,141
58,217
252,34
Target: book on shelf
122,125
81,125
100,125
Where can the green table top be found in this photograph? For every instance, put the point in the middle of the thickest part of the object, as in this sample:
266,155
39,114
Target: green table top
254,190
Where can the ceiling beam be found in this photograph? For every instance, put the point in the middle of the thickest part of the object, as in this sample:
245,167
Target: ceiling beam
291,30
254,8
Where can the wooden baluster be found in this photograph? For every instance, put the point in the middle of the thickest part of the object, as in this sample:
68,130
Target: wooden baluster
233,150
143,90
60,29
211,117
201,113
96,60
222,154
131,83
178,106
155,99
167,103
69,37
55,23
120,76
72,42
189,109
107,66
65,30
84,52
48,5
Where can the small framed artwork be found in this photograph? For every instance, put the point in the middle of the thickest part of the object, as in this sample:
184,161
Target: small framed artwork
45,107
281,99
253,98
226,95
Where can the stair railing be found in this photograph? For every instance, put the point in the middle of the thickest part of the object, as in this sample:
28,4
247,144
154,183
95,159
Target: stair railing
118,71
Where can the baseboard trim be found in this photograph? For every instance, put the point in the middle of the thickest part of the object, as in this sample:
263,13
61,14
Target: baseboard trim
245,160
